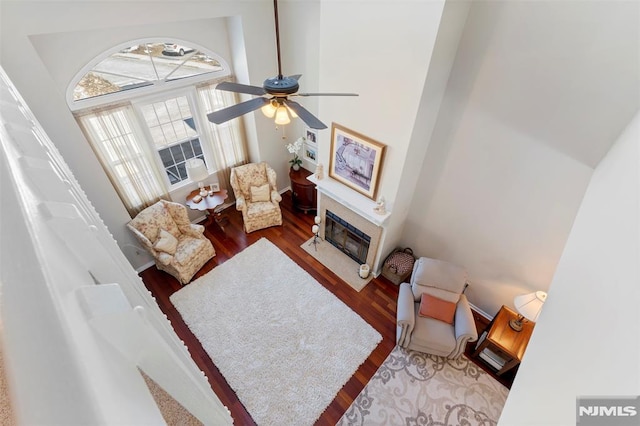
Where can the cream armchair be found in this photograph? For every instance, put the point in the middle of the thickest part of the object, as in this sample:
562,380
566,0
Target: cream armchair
177,246
441,321
254,186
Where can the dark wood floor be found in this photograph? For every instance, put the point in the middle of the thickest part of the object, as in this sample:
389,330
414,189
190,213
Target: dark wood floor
376,303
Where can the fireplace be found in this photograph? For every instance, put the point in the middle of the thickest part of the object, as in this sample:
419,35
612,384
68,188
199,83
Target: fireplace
346,237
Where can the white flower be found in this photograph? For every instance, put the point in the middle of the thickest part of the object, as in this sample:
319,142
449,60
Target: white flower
294,148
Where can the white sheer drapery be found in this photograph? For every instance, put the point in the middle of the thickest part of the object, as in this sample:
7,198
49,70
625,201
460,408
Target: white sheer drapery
227,139
124,157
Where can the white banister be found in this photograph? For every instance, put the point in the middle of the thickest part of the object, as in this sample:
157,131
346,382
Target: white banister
77,321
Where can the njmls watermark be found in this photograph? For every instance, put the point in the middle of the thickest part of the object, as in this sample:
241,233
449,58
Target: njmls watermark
608,411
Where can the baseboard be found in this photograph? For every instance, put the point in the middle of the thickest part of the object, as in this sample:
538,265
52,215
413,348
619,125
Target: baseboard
481,312
145,266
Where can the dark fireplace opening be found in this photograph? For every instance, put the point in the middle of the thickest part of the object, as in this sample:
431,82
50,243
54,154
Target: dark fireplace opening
346,237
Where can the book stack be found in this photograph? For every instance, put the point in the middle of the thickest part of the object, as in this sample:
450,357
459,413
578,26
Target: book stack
489,356
492,358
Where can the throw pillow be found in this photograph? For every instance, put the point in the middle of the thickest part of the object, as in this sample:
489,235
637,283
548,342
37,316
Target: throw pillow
166,242
435,308
260,193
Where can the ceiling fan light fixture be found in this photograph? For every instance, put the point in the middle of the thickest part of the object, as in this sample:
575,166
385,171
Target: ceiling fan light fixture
282,117
291,112
273,97
269,109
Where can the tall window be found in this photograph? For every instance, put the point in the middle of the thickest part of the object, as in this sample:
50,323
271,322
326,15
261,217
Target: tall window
144,141
174,134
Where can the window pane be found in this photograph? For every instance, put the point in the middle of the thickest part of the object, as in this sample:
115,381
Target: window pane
182,169
158,136
150,115
165,156
180,130
177,153
173,110
169,134
197,149
174,177
188,151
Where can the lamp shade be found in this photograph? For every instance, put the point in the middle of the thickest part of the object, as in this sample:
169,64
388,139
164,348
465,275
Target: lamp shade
530,305
269,109
282,117
196,169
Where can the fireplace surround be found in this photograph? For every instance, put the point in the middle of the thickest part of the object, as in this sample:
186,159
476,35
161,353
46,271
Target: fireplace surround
364,226
346,237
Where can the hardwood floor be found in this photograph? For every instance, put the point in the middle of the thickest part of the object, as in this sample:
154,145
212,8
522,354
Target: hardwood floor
376,303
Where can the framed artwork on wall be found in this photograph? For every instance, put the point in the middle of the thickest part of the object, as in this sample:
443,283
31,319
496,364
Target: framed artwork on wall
310,152
355,160
311,136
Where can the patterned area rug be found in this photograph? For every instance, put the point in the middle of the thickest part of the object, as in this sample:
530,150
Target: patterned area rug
413,388
285,344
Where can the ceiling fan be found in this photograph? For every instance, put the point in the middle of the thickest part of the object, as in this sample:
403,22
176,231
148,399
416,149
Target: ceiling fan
273,96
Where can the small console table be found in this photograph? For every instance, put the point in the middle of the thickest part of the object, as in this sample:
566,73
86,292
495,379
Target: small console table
303,191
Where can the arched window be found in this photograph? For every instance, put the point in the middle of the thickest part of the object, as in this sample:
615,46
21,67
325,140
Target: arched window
143,107
142,64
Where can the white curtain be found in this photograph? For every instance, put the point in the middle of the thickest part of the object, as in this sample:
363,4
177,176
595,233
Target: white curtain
229,144
124,157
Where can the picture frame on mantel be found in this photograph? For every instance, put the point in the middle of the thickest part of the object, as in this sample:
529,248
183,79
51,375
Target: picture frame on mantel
356,160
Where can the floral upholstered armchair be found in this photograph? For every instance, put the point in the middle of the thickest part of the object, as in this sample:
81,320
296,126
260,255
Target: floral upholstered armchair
254,186
177,246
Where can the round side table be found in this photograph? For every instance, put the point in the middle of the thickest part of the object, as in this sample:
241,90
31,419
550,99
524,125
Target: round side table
208,204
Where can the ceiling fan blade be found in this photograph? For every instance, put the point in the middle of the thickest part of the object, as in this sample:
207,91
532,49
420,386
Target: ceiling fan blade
241,88
305,115
236,110
326,94
296,77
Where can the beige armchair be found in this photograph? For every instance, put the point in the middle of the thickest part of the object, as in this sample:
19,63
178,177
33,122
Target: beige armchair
254,186
177,246
441,322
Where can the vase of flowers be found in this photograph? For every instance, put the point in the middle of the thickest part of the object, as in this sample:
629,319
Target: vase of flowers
294,148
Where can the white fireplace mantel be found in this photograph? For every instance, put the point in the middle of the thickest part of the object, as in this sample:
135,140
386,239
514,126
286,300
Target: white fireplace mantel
350,198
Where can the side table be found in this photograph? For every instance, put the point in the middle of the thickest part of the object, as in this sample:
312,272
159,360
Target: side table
303,191
207,204
501,346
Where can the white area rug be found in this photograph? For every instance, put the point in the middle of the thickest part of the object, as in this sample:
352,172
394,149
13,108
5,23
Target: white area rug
285,344
413,388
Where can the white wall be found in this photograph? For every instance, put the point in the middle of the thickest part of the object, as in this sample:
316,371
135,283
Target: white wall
382,51
587,341
529,109
40,65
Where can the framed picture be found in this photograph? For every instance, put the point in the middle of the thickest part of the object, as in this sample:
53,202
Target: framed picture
215,187
310,152
355,160
311,135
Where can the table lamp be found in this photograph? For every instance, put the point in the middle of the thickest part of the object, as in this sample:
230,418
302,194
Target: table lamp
197,172
529,307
